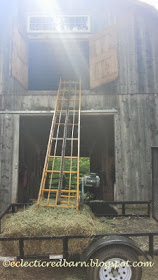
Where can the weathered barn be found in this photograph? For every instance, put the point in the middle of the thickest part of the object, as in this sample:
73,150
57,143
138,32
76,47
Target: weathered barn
112,46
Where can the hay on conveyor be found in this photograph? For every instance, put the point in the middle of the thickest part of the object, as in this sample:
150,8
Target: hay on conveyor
49,221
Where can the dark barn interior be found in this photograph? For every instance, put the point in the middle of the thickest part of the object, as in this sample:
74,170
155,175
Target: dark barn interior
51,60
97,143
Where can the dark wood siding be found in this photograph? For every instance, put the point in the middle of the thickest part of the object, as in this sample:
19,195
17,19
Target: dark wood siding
134,94
6,147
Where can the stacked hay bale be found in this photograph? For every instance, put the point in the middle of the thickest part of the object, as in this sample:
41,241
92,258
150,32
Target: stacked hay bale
48,221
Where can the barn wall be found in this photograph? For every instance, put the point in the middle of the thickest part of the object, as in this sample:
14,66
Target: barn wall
6,132
136,131
134,94
137,42
137,55
9,84
9,155
1,56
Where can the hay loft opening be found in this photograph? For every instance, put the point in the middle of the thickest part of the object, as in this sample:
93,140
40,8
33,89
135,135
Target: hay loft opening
51,60
97,149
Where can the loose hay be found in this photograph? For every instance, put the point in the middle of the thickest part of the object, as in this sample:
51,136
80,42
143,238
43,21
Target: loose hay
49,221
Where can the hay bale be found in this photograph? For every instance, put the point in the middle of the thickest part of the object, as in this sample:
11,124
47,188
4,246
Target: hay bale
49,221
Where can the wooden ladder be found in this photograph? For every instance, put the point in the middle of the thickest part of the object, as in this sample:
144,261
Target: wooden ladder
60,178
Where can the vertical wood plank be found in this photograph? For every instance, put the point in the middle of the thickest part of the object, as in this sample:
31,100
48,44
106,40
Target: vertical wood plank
6,160
15,162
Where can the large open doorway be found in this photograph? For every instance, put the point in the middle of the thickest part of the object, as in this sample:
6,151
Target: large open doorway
97,144
49,61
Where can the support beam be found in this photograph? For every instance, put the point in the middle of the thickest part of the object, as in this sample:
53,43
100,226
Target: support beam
83,112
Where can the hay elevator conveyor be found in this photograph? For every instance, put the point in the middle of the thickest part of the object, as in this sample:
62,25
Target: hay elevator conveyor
60,178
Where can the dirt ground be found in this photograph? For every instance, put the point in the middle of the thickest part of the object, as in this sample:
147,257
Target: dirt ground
133,224
62,273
